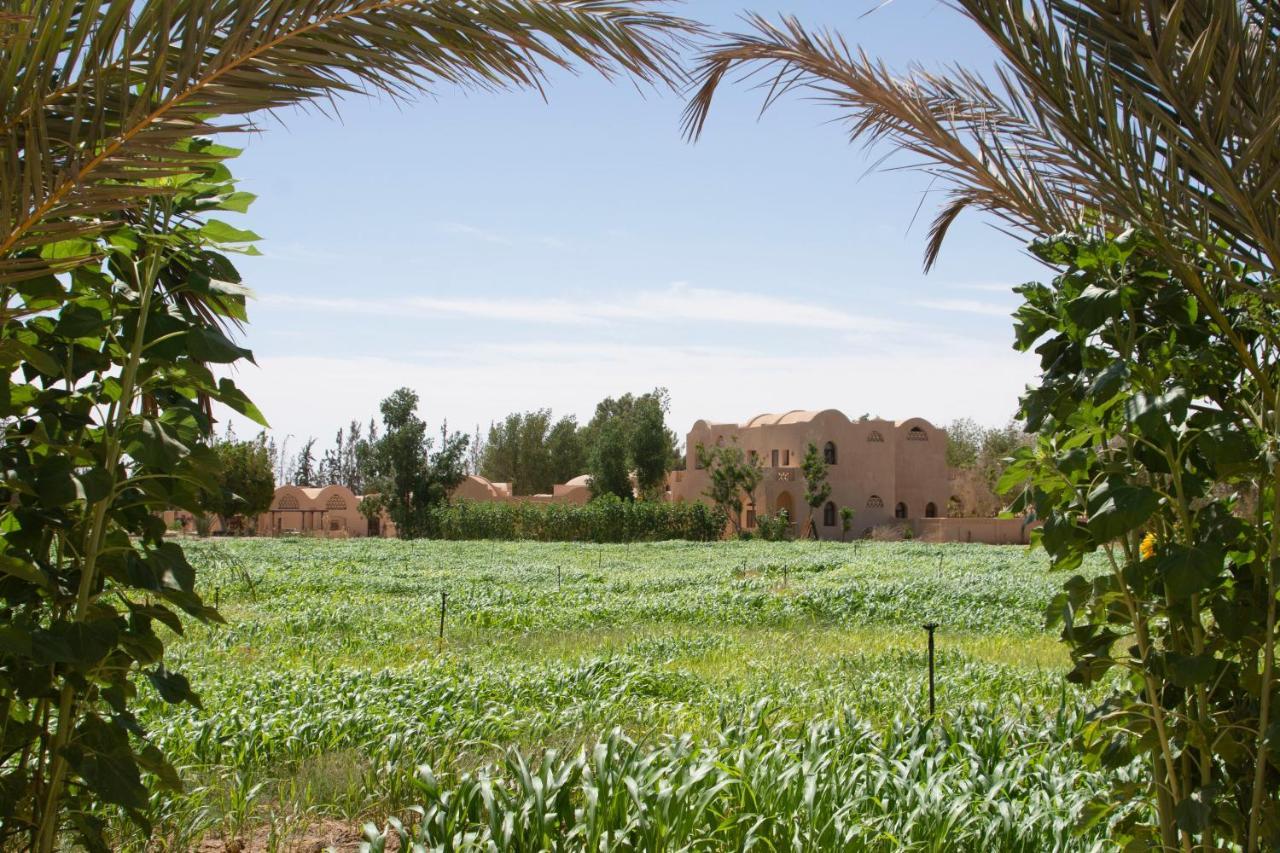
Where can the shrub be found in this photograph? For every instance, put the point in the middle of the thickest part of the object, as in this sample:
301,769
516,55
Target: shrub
605,519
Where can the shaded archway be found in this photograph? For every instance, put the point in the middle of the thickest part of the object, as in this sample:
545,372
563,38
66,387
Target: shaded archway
955,507
900,511
930,510
785,502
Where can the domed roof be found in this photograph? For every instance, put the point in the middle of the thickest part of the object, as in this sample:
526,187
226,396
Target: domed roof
580,480
795,416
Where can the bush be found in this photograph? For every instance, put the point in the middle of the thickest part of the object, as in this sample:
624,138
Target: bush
774,528
605,519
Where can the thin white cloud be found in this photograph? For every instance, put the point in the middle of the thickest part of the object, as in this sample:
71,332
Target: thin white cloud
306,395
678,302
465,230
966,306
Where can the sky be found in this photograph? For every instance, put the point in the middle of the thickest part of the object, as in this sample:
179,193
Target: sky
501,252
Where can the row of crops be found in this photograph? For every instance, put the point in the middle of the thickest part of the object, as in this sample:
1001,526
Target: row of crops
655,696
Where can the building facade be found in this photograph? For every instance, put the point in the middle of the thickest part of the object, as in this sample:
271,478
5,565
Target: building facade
886,472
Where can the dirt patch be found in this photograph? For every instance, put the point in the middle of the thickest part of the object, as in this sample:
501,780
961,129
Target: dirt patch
321,836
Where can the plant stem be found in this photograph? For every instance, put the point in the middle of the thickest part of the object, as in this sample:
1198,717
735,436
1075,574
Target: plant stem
67,711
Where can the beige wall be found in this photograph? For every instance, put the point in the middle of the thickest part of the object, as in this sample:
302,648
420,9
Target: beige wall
877,465
331,512
991,531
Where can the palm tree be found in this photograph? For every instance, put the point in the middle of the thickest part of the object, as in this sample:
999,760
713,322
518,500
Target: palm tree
1103,115
97,95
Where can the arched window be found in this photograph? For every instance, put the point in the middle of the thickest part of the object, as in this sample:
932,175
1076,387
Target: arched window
829,453
875,435
336,504
900,511
875,502
917,434
288,502
829,515
930,510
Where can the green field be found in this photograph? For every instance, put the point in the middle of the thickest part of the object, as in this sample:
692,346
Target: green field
719,696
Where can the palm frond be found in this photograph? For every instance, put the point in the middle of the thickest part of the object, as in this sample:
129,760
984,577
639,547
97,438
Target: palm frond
99,93
1159,114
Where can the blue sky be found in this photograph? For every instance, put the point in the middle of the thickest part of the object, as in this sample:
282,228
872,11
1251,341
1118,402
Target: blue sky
499,252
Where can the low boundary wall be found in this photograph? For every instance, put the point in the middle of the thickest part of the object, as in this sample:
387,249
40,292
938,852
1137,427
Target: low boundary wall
990,531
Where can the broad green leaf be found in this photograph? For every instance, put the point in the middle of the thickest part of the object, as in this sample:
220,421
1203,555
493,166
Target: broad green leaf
1117,507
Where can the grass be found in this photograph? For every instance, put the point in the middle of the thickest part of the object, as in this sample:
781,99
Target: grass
783,682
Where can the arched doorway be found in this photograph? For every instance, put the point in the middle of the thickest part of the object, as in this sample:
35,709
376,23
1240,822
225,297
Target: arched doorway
900,511
786,502
930,510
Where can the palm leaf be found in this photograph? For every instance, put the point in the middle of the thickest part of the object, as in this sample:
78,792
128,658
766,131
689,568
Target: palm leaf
99,93
1159,114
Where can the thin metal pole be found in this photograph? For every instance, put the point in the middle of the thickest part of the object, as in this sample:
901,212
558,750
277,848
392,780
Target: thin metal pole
557,578
444,599
931,627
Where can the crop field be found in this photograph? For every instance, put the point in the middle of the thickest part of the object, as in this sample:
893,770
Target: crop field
608,697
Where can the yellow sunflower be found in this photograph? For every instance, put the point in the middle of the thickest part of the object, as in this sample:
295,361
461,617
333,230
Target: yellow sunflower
1148,547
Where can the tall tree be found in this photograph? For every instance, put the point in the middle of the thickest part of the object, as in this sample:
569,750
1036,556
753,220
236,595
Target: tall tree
516,452
246,482
564,447
330,470
816,488
733,476
1136,144
608,466
651,446
409,474
351,474
304,467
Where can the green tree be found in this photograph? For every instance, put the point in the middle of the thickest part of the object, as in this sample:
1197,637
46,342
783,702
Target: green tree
733,475
246,482
1136,144
608,466
304,467
846,522
564,446
623,411
87,572
409,474
651,447
816,488
517,452
964,442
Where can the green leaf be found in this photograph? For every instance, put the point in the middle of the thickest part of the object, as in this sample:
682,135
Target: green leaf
1093,307
207,344
79,643
153,761
1107,383
235,399
1150,413
55,482
1189,670
173,687
1186,571
14,640
1117,507
23,570
237,202
104,760
218,232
